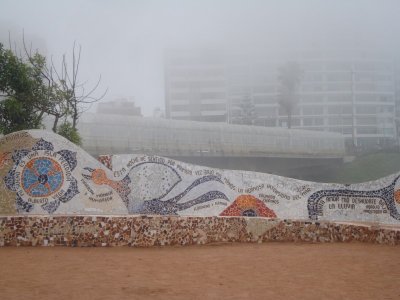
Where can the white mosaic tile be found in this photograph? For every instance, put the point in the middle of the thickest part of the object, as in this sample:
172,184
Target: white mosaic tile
43,173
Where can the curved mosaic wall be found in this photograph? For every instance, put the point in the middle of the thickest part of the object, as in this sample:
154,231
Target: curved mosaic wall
43,173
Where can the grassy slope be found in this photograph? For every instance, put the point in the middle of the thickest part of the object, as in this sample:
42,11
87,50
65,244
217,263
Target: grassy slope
367,167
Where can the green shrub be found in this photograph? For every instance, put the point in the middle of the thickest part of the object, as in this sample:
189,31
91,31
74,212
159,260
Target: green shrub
67,131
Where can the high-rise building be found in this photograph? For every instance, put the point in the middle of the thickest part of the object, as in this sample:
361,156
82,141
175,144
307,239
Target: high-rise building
196,86
350,91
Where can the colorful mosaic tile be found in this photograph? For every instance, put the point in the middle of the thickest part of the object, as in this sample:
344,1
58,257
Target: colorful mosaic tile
42,173
8,145
106,160
41,176
248,206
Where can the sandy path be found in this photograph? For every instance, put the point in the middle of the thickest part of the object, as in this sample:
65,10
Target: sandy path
235,271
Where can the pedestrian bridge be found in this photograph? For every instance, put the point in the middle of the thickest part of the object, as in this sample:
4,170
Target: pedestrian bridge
116,134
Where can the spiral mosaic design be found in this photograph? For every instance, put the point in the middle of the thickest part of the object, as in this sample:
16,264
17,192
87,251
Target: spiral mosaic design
42,177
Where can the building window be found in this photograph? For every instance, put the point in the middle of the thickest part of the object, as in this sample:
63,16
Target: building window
265,111
367,130
313,121
265,99
366,121
366,109
311,99
337,86
339,110
338,76
313,110
312,87
339,98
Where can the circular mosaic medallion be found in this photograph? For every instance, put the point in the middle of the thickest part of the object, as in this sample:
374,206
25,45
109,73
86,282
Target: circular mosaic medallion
42,177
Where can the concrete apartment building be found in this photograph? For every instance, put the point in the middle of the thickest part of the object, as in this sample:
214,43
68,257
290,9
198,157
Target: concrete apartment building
196,86
120,106
349,91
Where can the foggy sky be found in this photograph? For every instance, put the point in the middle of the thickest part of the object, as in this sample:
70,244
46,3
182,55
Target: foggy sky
124,40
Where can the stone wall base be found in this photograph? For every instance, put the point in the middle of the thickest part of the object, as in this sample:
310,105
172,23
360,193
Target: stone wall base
147,231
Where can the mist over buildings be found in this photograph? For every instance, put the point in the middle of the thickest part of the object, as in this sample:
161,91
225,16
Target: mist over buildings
125,41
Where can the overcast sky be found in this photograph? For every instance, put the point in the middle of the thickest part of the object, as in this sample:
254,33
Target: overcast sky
124,40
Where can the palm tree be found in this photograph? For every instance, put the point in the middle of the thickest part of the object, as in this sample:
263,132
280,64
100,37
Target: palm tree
289,77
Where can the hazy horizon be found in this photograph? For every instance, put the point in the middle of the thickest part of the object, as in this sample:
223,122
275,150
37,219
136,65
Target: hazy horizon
124,41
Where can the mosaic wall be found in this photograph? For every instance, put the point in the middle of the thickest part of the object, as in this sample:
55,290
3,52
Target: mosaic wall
42,173
145,231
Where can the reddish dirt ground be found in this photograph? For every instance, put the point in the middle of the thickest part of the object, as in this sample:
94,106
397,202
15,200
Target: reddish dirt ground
224,271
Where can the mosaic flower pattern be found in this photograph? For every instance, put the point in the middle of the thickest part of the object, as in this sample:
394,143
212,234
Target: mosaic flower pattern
42,177
38,176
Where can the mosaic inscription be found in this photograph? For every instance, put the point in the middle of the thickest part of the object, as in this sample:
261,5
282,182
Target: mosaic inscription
42,173
348,201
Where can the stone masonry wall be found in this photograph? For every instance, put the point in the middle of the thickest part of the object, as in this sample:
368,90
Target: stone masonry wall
145,231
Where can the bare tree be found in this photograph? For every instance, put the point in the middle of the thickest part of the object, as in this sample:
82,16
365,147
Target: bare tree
78,97
55,101
67,96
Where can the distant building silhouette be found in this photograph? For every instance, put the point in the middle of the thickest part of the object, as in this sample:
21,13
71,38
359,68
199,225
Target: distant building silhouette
349,91
158,113
120,106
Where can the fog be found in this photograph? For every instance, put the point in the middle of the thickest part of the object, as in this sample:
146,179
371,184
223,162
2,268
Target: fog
124,41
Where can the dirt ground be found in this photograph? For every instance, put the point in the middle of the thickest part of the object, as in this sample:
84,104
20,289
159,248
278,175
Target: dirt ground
225,271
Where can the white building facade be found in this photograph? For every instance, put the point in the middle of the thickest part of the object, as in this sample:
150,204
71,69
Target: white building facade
352,91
